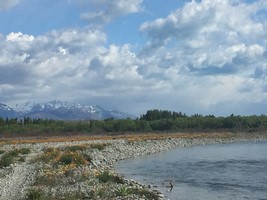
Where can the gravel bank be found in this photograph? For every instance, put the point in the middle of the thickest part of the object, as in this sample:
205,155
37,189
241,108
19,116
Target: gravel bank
16,178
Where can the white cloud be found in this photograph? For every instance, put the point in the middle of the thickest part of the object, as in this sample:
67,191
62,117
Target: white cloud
205,57
107,10
7,4
224,20
215,48
19,37
210,36
39,66
117,63
68,64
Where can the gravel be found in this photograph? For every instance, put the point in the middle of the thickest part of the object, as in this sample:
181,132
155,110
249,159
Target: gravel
16,181
16,178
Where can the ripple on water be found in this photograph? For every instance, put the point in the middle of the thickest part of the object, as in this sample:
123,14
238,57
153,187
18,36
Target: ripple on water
212,172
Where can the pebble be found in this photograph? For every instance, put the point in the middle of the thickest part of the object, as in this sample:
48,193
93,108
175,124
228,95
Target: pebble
15,179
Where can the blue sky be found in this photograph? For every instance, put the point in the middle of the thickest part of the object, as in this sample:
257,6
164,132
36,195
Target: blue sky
202,56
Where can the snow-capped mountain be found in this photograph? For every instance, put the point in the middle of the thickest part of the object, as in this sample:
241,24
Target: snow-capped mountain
59,110
7,111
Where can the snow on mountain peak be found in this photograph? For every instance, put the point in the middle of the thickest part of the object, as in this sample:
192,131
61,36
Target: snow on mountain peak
62,111
56,104
5,107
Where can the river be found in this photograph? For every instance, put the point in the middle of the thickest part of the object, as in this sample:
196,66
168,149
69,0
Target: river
211,172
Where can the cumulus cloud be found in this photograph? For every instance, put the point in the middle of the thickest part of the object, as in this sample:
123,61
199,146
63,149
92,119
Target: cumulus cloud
107,10
211,45
42,64
206,57
7,4
210,35
19,37
67,64
117,63
197,22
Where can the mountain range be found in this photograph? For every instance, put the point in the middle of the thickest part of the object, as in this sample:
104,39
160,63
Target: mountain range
59,110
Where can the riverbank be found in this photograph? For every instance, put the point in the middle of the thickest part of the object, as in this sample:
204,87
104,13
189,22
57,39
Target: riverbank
83,169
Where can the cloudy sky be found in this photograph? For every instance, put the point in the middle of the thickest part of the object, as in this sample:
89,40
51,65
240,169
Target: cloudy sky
202,56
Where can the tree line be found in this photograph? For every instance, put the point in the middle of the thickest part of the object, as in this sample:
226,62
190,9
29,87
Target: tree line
152,121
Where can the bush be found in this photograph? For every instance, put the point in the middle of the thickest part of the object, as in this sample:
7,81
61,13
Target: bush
2,151
14,153
123,191
25,150
72,158
66,159
6,160
106,176
48,155
34,194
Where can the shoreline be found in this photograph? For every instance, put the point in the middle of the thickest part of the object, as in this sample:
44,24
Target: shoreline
104,160
195,142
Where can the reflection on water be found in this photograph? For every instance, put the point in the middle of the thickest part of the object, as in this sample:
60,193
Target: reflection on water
212,172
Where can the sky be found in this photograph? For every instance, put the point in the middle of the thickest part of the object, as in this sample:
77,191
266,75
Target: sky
191,56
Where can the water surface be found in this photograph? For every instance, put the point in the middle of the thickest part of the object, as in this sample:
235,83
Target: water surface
211,172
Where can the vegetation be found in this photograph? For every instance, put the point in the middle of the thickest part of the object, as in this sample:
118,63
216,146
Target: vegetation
64,167
34,194
123,191
106,177
9,157
71,155
6,160
61,166
153,120
25,150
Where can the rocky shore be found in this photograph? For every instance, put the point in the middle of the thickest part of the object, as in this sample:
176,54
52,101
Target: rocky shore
35,173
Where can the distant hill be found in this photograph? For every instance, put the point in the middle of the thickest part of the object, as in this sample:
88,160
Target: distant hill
59,110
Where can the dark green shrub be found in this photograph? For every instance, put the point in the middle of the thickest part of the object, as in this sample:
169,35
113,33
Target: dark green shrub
2,151
105,177
68,158
25,150
6,160
123,191
14,153
34,194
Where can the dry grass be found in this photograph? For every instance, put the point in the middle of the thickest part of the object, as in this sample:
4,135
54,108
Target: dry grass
130,137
